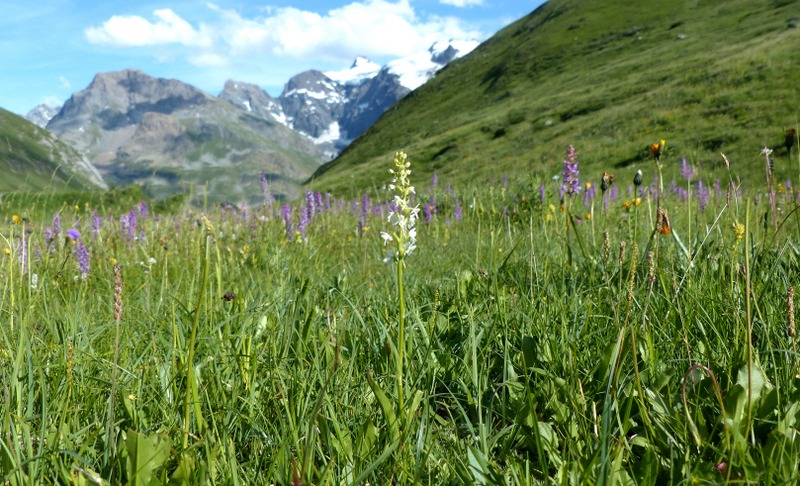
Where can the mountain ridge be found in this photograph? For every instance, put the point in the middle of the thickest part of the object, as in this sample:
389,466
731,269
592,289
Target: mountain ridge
609,77
169,136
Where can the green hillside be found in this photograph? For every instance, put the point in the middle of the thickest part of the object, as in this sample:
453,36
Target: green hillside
32,159
610,77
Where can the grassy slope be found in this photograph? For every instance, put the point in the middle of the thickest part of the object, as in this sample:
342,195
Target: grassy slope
33,160
610,77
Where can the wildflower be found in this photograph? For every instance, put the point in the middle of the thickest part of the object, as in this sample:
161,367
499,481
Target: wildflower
434,180
703,193
96,224
738,232
73,235
82,256
687,171
457,211
286,214
429,209
310,207
34,281
402,216
637,178
637,201
570,184
657,149
56,224
302,223
588,216
143,209
541,193
16,219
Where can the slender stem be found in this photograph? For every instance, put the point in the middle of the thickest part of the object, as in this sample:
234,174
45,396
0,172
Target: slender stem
401,335
190,383
748,292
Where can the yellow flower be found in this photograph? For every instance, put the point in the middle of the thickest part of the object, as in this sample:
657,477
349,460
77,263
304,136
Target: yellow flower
132,397
588,185
77,208
738,232
246,249
588,216
15,219
637,201
8,251
626,205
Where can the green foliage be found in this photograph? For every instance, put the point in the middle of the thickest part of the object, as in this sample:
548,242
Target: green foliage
546,343
611,77
32,159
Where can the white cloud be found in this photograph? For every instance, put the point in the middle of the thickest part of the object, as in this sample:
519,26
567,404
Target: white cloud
461,3
64,82
135,31
374,28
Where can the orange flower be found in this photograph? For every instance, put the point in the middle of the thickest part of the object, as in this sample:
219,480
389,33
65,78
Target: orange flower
655,149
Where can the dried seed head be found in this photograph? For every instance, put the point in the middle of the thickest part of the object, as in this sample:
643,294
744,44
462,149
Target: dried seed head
632,281
69,362
621,252
651,272
606,247
662,222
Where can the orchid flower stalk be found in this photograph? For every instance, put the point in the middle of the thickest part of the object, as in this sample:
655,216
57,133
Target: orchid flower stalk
402,238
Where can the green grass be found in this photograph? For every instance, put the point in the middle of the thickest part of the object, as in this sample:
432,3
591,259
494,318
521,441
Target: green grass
610,77
537,349
32,159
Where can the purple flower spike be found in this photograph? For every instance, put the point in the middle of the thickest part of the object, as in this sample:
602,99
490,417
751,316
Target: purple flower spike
82,255
570,184
687,171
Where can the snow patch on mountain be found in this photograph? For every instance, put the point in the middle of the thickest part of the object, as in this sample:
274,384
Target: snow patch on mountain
361,70
414,70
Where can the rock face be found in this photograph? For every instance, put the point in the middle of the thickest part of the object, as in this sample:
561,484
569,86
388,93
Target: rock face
168,135
41,114
333,108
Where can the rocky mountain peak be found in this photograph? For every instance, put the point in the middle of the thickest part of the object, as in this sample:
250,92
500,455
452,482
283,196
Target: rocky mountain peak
42,114
252,99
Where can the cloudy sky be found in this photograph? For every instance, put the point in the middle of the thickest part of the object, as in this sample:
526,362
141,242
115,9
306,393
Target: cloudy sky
52,48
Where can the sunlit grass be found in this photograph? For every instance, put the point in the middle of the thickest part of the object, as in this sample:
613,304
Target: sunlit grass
577,344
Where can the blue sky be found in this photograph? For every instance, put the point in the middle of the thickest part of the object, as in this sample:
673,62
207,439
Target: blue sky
52,48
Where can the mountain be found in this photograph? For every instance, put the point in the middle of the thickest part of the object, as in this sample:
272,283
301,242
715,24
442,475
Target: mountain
41,114
610,77
32,159
333,108
169,136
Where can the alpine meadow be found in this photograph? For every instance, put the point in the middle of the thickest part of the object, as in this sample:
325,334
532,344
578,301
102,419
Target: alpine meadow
569,258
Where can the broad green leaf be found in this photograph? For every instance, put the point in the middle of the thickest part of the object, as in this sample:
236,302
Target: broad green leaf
145,455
